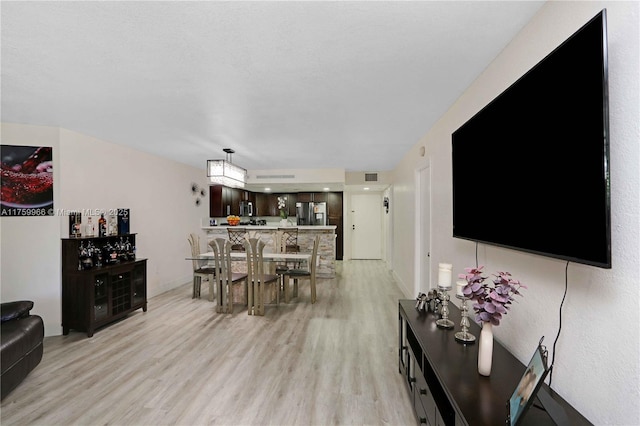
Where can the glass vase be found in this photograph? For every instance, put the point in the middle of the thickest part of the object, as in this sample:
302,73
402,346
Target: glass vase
485,349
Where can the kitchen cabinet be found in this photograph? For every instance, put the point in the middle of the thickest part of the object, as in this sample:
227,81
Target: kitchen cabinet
267,204
290,206
319,197
305,197
235,195
334,217
316,197
334,204
261,207
224,201
249,196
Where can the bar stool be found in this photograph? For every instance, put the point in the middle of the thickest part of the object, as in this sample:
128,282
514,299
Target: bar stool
237,237
290,242
290,239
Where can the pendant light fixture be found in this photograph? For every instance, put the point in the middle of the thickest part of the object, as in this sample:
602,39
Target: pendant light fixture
223,172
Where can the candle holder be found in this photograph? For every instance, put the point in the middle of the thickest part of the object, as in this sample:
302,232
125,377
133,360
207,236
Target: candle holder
444,321
464,336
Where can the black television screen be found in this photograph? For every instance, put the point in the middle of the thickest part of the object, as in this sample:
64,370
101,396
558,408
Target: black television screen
531,169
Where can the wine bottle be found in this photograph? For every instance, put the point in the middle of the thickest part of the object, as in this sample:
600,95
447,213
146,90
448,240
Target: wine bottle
90,229
102,226
113,225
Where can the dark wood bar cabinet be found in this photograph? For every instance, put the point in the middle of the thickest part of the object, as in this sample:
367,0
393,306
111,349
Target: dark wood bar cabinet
99,295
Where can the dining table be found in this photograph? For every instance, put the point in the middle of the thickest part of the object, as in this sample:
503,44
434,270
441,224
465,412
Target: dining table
268,256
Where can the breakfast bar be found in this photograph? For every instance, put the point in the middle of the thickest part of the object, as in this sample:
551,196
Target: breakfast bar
306,234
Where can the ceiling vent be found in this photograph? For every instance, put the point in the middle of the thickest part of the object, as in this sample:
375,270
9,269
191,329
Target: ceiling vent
275,176
370,177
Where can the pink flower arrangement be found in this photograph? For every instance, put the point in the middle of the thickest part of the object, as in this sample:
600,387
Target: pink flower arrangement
491,302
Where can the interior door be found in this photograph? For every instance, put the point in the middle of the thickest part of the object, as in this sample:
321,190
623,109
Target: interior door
424,218
366,226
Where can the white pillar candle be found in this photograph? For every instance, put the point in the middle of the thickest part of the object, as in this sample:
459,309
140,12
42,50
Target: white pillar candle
459,286
444,275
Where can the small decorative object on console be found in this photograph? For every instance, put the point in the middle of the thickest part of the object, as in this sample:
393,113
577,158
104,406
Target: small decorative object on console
463,336
490,304
421,302
428,302
444,285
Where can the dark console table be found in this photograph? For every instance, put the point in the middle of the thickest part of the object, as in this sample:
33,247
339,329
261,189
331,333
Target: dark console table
443,381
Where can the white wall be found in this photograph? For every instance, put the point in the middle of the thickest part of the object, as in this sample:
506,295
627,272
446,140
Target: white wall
598,352
92,174
30,246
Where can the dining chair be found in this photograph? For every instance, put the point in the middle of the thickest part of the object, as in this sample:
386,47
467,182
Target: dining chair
303,274
237,237
258,279
200,271
226,279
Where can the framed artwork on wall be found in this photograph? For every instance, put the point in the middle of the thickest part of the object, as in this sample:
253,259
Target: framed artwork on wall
27,181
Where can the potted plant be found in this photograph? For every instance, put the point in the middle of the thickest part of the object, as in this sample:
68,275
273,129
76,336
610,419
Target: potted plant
282,203
491,301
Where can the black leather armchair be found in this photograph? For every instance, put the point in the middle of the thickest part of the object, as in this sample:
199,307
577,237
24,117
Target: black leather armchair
21,337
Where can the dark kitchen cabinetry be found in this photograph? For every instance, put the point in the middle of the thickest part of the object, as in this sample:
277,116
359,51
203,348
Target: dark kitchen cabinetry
316,197
266,204
98,295
224,201
305,197
290,203
334,204
248,196
235,196
334,217
443,381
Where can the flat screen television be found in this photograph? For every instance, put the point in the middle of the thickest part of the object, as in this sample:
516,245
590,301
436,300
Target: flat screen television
531,169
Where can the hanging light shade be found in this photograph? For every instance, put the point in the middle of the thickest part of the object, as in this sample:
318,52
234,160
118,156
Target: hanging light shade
223,172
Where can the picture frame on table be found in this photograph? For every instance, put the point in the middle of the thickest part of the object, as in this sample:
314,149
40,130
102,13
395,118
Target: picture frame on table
525,393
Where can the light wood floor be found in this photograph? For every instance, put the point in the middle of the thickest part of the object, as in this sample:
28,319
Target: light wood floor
181,363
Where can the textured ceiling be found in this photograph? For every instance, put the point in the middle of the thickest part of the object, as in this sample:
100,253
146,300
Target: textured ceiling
335,84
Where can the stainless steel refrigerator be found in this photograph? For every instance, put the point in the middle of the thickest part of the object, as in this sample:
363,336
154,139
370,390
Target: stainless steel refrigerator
311,213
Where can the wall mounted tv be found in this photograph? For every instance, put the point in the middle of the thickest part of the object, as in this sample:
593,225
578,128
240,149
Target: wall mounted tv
531,169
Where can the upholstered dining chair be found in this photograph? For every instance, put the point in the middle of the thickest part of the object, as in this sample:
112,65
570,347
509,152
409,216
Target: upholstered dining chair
200,271
258,279
226,279
303,274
